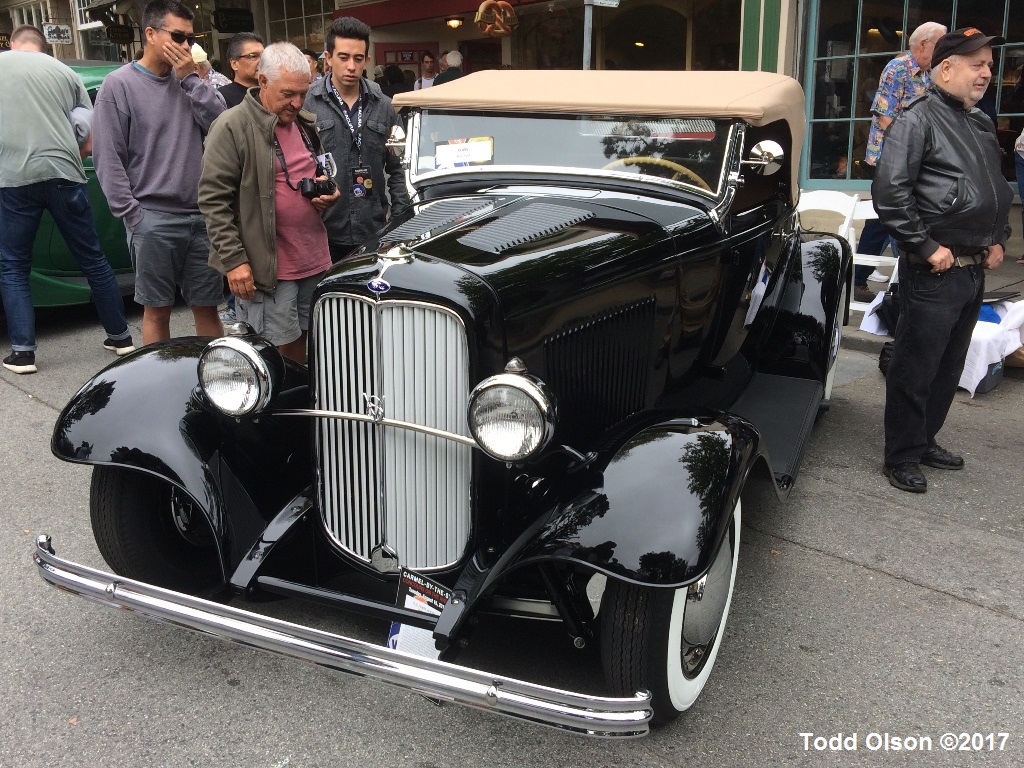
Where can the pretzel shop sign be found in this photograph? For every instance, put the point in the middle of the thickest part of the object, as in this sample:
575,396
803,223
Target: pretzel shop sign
496,18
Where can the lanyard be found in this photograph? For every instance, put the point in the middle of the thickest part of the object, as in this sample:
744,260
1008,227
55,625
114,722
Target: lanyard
280,156
357,129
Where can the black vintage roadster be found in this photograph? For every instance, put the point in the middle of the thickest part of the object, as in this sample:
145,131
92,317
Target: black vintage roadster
539,395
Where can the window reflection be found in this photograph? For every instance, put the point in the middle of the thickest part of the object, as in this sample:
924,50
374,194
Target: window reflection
920,11
829,150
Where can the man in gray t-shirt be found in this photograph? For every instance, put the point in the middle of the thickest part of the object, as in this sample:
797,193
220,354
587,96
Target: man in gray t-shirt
44,134
150,119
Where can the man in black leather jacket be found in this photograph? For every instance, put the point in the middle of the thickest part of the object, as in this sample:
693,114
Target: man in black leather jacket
939,191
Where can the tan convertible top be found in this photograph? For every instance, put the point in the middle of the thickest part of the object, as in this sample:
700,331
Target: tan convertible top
757,98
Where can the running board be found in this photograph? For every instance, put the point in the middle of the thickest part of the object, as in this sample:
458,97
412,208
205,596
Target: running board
783,409
566,710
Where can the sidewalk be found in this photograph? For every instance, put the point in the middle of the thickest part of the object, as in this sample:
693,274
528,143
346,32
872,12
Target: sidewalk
1009,277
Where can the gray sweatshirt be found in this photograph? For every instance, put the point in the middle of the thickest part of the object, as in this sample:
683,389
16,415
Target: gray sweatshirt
148,140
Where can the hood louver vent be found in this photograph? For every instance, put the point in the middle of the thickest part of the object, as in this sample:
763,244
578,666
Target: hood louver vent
531,222
440,214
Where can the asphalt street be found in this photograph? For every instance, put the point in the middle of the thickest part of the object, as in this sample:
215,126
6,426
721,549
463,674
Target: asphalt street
858,610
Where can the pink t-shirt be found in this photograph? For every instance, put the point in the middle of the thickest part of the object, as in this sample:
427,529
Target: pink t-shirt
302,249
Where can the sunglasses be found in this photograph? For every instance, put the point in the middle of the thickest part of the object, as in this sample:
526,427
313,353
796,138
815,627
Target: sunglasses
251,56
179,37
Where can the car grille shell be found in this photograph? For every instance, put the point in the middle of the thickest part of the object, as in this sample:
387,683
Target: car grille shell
385,484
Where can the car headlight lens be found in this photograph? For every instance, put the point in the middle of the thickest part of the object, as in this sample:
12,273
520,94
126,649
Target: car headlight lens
235,377
511,416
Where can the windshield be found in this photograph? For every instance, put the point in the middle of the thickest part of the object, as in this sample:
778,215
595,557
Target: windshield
672,151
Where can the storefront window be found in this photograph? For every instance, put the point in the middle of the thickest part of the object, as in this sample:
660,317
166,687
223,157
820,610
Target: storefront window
300,22
854,42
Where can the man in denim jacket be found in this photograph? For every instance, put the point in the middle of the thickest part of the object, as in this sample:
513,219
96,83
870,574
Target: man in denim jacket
940,193
354,119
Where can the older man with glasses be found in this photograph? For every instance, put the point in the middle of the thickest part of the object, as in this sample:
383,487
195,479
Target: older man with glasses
150,119
244,52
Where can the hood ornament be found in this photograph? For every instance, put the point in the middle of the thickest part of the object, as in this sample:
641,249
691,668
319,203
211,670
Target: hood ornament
398,254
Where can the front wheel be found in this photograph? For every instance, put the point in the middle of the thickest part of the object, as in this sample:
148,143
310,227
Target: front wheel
665,640
148,530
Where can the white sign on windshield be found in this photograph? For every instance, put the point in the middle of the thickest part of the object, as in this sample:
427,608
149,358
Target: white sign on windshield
457,152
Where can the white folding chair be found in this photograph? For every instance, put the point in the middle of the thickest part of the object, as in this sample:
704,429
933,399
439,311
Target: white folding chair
863,211
828,201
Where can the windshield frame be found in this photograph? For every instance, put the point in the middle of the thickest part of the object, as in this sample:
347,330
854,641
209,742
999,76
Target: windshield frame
722,191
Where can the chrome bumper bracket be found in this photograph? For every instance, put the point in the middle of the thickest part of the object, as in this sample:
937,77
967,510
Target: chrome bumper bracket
566,710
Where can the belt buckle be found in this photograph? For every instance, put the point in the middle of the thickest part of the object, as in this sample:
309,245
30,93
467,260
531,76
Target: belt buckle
959,261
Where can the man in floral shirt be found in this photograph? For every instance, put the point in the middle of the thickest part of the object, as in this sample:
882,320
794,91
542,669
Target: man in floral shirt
903,80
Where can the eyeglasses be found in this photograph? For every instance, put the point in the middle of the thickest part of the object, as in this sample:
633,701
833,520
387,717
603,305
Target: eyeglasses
250,56
179,37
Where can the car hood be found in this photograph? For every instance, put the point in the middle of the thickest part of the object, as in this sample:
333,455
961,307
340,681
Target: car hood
532,250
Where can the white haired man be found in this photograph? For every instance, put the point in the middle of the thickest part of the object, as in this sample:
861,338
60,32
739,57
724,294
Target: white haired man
454,69
264,162
902,80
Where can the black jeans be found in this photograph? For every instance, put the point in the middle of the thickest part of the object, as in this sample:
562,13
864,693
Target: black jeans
937,317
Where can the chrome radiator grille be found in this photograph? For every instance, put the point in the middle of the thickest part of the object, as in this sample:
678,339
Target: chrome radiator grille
380,483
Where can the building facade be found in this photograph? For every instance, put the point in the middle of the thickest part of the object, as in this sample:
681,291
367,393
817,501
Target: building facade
836,48
848,44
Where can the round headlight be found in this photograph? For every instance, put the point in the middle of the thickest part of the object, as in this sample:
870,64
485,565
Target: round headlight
235,378
511,416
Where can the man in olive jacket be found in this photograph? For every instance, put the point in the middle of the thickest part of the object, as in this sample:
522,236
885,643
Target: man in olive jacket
940,193
266,234
354,119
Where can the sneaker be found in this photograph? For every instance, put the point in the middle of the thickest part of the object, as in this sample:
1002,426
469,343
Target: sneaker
878,277
119,346
21,362
227,315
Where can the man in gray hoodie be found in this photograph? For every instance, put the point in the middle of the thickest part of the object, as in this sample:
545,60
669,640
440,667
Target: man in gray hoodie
150,119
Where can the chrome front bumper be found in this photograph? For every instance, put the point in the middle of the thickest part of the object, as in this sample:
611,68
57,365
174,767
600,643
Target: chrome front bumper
575,712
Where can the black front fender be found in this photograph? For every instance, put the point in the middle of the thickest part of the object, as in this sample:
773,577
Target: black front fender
145,413
663,507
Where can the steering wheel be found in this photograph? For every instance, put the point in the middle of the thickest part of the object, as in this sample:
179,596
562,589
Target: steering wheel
680,170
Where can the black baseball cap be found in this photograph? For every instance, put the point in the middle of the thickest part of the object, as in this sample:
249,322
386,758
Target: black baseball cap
960,41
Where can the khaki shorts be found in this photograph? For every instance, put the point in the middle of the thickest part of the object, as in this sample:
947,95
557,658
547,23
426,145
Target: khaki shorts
282,316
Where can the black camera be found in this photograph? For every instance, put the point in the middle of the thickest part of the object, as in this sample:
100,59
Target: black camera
309,188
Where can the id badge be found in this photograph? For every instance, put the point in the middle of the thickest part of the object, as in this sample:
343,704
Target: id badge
362,184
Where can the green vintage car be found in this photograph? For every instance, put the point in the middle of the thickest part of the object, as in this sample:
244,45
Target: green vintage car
56,279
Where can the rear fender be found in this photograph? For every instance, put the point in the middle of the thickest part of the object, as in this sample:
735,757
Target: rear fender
800,340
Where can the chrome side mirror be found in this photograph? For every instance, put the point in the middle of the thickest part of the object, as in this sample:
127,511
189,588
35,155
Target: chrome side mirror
396,141
765,158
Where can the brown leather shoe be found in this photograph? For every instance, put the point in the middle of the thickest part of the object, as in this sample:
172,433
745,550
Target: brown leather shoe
907,477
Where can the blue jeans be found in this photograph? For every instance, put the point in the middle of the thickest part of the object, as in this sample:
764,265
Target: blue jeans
21,209
874,239
933,334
